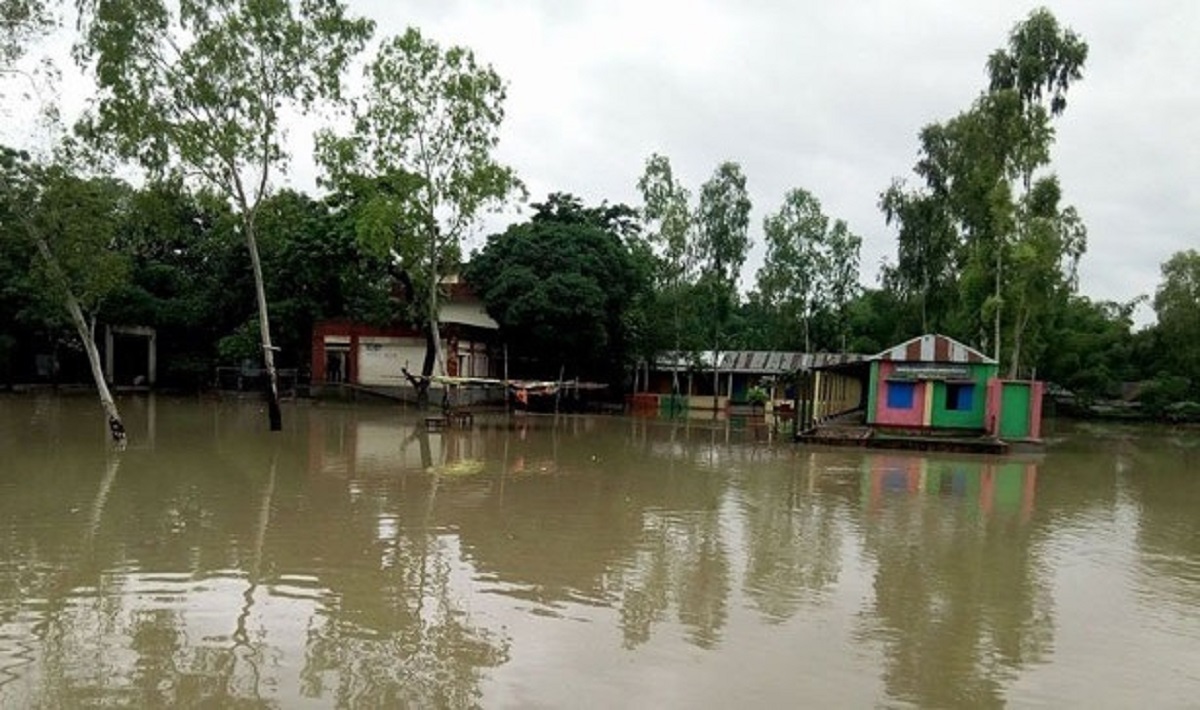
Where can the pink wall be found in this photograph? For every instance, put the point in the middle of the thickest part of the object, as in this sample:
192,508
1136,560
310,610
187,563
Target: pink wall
992,418
1035,410
914,417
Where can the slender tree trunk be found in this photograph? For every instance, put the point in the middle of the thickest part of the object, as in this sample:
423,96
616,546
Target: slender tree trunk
87,336
925,304
1014,364
996,321
1022,321
434,330
274,415
678,346
422,383
716,364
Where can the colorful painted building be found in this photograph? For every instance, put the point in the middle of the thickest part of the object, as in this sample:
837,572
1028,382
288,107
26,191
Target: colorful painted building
935,383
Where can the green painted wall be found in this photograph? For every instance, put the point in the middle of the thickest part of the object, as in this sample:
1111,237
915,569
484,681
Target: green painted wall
1015,402
972,418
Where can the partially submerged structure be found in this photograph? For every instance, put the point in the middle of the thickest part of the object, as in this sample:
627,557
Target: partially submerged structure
374,358
928,392
743,377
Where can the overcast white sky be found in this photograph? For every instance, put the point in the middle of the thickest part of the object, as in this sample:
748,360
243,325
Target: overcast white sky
830,96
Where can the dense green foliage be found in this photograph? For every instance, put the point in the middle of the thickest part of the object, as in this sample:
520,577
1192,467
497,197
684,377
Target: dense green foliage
562,285
811,267
987,246
21,22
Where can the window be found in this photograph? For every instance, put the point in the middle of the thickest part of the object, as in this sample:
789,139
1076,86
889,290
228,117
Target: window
900,395
959,396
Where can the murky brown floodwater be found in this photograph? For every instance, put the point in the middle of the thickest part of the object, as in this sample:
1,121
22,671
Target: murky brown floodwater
356,560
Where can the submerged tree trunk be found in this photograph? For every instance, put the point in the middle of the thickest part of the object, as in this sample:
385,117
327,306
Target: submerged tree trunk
434,330
716,363
433,343
274,415
87,335
422,384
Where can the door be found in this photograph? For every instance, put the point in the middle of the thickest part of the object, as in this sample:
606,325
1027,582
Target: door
1014,410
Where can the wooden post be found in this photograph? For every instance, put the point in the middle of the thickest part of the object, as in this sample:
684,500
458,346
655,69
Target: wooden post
558,390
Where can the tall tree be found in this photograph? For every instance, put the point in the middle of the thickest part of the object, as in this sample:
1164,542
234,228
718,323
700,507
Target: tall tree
1039,65
560,286
435,114
71,222
844,248
1177,304
670,222
723,241
811,265
203,87
986,193
789,281
926,250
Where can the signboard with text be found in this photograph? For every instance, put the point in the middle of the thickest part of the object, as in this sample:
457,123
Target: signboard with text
931,371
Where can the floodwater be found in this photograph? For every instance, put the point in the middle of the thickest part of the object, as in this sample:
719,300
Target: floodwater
358,560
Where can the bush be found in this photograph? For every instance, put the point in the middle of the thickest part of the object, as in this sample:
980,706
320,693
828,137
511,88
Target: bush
1163,392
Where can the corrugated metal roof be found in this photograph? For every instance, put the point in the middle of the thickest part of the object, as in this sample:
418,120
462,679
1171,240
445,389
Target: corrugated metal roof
756,362
933,348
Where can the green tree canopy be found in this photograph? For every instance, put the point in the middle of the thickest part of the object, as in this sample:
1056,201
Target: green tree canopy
71,222
811,265
1177,304
203,87
986,247
433,114
560,286
21,23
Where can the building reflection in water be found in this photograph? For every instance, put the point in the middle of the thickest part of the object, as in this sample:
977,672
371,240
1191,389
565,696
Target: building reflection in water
992,486
961,598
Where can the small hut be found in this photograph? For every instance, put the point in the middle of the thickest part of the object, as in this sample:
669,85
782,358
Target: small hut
928,392
936,383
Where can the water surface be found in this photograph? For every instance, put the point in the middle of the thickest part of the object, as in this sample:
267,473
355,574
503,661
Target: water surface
358,560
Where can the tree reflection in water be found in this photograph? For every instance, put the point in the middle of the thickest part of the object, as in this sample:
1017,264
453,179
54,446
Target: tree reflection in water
198,582
793,537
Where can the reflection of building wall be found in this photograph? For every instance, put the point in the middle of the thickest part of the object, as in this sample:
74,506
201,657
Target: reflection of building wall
349,446
1004,487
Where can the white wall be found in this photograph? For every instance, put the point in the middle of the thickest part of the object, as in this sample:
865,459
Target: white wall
380,360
